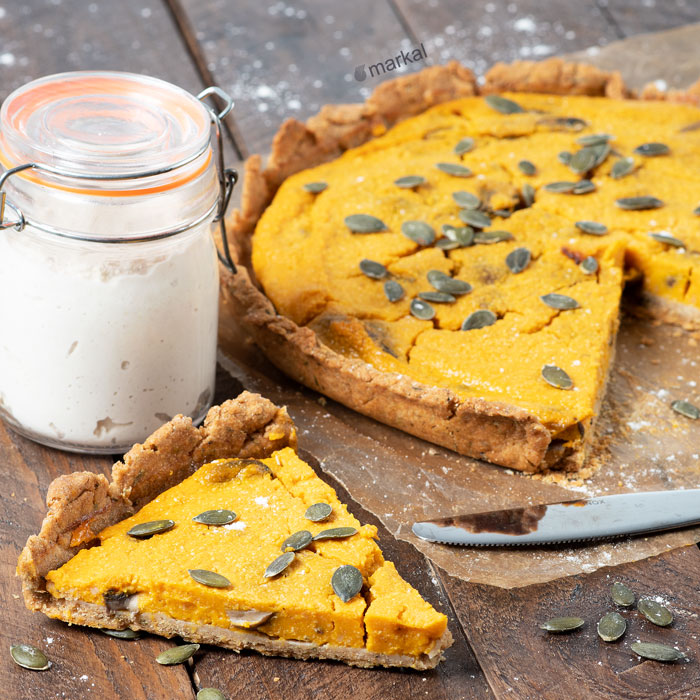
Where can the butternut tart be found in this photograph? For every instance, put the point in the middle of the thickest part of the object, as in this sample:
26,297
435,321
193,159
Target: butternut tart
249,550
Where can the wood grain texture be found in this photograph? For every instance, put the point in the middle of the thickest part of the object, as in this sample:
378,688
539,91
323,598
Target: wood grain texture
639,16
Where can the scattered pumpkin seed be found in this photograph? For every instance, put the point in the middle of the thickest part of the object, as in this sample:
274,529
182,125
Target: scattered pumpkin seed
622,595
685,408
583,187
346,582
622,167
696,211
489,237
462,235
154,527
611,627
318,512
28,656
209,578
122,634
177,655
564,157
518,259
444,283
315,187
655,612
582,161
557,377
589,265
464,145
393,291
215,517
419,232
474,218
364,223
437,297
528,194
527,167
422,310
562,624
210,694
297,541
560,187
652,149
638,203
479,319
446,244
454,169
668,239
563,123
593,139
466,200
657,652
410,181
559,301
592,227
279,564
373,269
503,213
335,533
503,104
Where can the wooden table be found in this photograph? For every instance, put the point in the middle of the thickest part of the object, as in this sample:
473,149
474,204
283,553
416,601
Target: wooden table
278,59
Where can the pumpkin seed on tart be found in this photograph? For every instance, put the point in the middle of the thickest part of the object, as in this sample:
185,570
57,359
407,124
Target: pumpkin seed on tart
593,139
589,265
315,187
564,157
557,377
296,541
474,218
335,533
373,269
481,318
464,145
622,167
559,301
583,187
278,565
422,310
393,291
346,582
318,512
527,194
518,259
652,149
410,182
215,517
463,236
493,236
419,232
153,527
668,239
503,104
466,200
364,223
444,283
527,167
437,297
639,203
560,186
454,169
592,227
209,578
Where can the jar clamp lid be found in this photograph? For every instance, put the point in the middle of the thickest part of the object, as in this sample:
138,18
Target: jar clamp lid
96,130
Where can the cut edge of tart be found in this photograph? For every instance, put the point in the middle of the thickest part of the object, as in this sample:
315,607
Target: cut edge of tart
486,429
89,566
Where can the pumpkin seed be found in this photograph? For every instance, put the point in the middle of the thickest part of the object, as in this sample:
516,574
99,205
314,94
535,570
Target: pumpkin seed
279,564
364,223
503,104
668,239
582,161
528,194
209,578
474,218
335,533
592,227
454,169
655,612
122,634
437,297
346,582
466,200
622,595
564,157
622,167
560,187
249,619
419,232
462,235
527,167
154,527
657,652
559,301
318,511
479,319
696,211
583,187
297,541
518,259
557,377
593,139
562,624
410,181
464,145
177,655
563,123
503,213
315,187
215,517
372,269
611,627
422,310
685,408
447,284
210,694
446,244
489,237
393,291
652,149
28,656
589,265
638,203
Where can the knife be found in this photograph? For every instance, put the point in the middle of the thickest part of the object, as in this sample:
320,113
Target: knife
569,521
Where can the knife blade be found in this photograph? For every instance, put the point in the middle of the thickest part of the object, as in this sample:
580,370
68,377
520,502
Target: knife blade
569,521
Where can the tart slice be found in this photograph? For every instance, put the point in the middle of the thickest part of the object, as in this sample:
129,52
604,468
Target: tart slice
248,552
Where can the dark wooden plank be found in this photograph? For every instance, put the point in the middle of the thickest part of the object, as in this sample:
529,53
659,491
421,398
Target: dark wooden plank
635,17
522,661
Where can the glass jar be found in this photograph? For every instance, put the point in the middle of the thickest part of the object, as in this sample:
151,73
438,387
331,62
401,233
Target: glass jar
108,268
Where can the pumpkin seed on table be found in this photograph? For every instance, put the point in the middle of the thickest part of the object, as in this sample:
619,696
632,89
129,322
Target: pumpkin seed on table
419,232
122,634
639,203
527,167
557,377
335,533
372,269
210,694
177,655
474,218
454,169
410,181
364,223
622,595
315,187
503,104
564,157
622,167
657,652
655,612
592,227
444,283
518,259
437,297
297,541
318,512
466,200
346,582
209,578
29,657
562,624
685,408
559,301
589,265
593,139
215,517
611,627
422,310
279,564
668,239
153,527
393,291
464,145
653,149
479,319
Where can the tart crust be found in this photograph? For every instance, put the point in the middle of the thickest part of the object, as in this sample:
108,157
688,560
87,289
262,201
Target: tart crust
493,431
